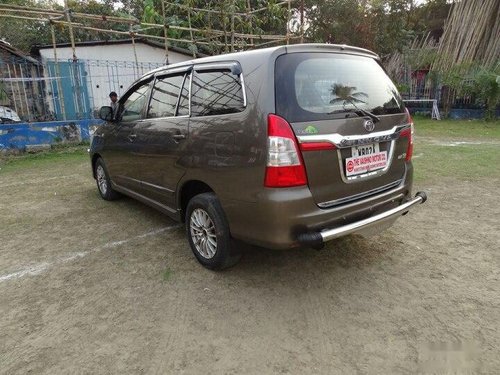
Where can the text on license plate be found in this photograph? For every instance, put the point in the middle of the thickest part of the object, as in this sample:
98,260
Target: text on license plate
365,149
365,159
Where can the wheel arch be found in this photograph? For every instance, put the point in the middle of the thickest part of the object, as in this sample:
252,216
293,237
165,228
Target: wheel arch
188,190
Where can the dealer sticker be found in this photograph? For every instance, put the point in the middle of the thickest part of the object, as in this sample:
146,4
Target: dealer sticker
364,164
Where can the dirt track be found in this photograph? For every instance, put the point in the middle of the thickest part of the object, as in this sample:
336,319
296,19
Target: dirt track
88,286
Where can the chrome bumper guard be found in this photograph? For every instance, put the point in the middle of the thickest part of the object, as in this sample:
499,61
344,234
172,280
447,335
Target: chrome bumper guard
317,239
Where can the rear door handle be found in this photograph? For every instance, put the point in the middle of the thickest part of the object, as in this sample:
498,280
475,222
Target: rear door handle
131,137
178,136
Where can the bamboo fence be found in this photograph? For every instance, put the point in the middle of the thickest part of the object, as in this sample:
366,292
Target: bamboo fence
471,35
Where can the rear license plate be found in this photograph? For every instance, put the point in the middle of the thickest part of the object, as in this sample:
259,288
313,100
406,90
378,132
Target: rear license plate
366,158
365,150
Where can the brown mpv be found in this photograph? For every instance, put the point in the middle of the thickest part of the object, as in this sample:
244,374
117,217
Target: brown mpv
280,147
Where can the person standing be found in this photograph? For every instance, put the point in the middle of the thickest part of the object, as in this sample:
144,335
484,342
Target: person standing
114,102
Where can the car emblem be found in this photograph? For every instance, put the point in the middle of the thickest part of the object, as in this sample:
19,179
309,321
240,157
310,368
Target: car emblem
369,125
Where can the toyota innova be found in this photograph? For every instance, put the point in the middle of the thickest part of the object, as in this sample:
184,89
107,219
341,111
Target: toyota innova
279,147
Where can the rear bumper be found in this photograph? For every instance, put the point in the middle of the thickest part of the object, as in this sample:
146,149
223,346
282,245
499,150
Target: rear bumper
288,218
316,239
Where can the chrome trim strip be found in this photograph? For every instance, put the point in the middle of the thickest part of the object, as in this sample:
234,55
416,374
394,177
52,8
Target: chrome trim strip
141,182
331,234
243,90
147,200
337,202
345,141
157,187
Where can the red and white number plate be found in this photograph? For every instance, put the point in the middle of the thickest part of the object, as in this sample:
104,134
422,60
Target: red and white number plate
365,159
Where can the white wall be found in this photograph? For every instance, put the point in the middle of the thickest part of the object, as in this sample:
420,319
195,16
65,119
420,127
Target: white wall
116,52
112,67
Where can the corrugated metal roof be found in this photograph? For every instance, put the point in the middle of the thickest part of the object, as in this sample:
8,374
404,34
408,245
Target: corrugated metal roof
17,52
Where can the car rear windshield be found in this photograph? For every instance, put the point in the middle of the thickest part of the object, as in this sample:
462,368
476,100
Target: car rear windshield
320,86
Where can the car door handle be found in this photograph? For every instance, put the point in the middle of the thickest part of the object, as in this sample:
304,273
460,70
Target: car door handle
131,137
178,136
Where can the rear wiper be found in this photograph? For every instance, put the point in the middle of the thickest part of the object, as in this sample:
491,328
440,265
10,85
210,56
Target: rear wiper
360,112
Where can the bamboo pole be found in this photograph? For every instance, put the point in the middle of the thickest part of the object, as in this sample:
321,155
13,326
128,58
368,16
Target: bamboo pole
23,83
58,73
24,18
47,13
232,25
191,31
74,65
136,68
79,26
12,89
165,31
471,34
236,13
18,89
249,19
55,13
214,32
287,22
265,8
182,6
20,7
217,32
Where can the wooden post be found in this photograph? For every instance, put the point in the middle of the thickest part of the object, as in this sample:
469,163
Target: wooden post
12,89
302,21
191,30
23,83
165,31
288,22
136,69
74,65
60,95
249,15
232,25
21,107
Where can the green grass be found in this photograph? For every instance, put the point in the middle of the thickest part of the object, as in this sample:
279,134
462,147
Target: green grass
435,156
457,129
59,153
467,162
167,274
434,159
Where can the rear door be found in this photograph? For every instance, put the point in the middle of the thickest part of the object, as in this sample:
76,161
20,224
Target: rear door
161,138
346,101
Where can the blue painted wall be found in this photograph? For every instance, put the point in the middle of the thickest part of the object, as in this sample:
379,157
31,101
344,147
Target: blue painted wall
19,135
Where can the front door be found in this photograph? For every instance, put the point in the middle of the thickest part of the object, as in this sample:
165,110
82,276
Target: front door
121,140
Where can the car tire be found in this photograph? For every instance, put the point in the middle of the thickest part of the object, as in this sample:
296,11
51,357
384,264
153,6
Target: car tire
208,233
103,182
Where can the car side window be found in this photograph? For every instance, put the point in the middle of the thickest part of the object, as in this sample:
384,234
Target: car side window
133,106
165,96
216,92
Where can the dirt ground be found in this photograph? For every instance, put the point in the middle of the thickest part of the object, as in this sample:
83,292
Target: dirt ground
88,286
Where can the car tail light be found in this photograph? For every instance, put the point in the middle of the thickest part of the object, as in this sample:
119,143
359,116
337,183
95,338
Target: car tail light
408,133
285,167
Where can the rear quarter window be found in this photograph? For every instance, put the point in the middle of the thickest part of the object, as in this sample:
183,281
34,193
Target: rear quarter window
216,92
319,86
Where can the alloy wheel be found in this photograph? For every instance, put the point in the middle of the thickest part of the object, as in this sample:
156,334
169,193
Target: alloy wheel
202,230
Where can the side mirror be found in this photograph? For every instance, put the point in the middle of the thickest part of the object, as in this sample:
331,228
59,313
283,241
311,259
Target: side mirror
106,113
